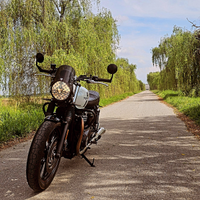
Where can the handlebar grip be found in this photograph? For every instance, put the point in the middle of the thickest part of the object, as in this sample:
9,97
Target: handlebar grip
96,78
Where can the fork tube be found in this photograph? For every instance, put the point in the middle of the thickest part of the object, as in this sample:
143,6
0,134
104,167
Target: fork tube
62,140
69,117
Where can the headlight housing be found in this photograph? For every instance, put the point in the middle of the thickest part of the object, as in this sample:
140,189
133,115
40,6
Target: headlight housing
60,90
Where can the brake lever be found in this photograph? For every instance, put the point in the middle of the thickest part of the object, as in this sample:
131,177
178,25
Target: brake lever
96,82
48,75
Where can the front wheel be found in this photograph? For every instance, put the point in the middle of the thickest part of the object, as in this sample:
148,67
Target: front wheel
42,162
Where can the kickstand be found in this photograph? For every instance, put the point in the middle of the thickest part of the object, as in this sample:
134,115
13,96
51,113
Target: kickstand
91,163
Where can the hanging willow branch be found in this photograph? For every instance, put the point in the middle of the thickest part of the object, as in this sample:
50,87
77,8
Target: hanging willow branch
83,40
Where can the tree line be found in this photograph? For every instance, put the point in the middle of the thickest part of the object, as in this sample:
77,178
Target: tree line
66,32
178,58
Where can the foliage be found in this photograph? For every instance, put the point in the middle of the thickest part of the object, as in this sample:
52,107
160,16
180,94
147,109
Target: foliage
190,106
153,79
18,120
141,85
178,58
67,32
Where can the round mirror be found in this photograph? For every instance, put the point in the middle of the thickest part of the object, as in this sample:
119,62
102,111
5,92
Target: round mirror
39,57
112,68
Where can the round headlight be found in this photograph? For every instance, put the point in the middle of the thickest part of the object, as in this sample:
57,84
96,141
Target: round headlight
60,90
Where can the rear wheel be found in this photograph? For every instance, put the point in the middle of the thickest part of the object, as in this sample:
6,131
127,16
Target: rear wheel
42,162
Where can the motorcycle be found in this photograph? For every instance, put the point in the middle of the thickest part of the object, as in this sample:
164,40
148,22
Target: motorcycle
71,123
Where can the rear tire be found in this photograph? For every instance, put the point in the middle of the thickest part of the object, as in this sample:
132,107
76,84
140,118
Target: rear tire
42,162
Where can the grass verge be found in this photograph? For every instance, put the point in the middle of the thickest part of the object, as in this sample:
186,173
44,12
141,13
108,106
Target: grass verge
18,120
190,106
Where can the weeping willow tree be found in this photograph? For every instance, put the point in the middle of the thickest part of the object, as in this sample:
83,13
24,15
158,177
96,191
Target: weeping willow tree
66,32
153,79
178,61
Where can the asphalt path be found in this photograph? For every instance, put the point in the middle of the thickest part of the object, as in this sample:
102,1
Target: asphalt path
146,153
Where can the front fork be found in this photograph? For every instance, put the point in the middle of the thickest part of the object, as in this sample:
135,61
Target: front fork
60,145
68,119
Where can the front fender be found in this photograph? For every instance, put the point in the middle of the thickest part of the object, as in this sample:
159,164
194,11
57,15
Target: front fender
52,118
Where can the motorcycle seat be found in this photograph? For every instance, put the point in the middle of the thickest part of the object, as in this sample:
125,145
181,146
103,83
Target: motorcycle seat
93,99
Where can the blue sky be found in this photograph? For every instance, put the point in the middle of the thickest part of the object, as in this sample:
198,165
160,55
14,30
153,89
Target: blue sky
142,23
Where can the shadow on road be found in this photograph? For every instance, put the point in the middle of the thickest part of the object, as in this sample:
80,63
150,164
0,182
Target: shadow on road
145,158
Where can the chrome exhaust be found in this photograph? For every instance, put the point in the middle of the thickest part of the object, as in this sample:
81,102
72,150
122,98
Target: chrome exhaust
98,135
100,132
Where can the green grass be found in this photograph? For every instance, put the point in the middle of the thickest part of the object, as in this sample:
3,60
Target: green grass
190,106
17,121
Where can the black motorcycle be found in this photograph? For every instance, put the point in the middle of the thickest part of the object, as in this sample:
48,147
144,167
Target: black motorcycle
71,123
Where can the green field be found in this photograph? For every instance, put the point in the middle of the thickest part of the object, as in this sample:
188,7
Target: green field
190,106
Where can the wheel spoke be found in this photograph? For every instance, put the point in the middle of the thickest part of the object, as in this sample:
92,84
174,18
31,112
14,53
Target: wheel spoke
42,168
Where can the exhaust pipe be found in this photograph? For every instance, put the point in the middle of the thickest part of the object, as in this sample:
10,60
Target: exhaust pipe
94,140
98,135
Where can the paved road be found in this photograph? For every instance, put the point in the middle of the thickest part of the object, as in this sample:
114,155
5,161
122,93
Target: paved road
146,153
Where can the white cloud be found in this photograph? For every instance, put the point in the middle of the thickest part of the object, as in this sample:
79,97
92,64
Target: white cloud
121,19
141,73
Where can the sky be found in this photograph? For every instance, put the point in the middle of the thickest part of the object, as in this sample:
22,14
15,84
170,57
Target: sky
142,23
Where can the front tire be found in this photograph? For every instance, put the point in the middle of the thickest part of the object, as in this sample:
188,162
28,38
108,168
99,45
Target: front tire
42,162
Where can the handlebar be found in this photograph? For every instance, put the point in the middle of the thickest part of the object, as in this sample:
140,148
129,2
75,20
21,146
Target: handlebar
90,79
53,69
103,80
